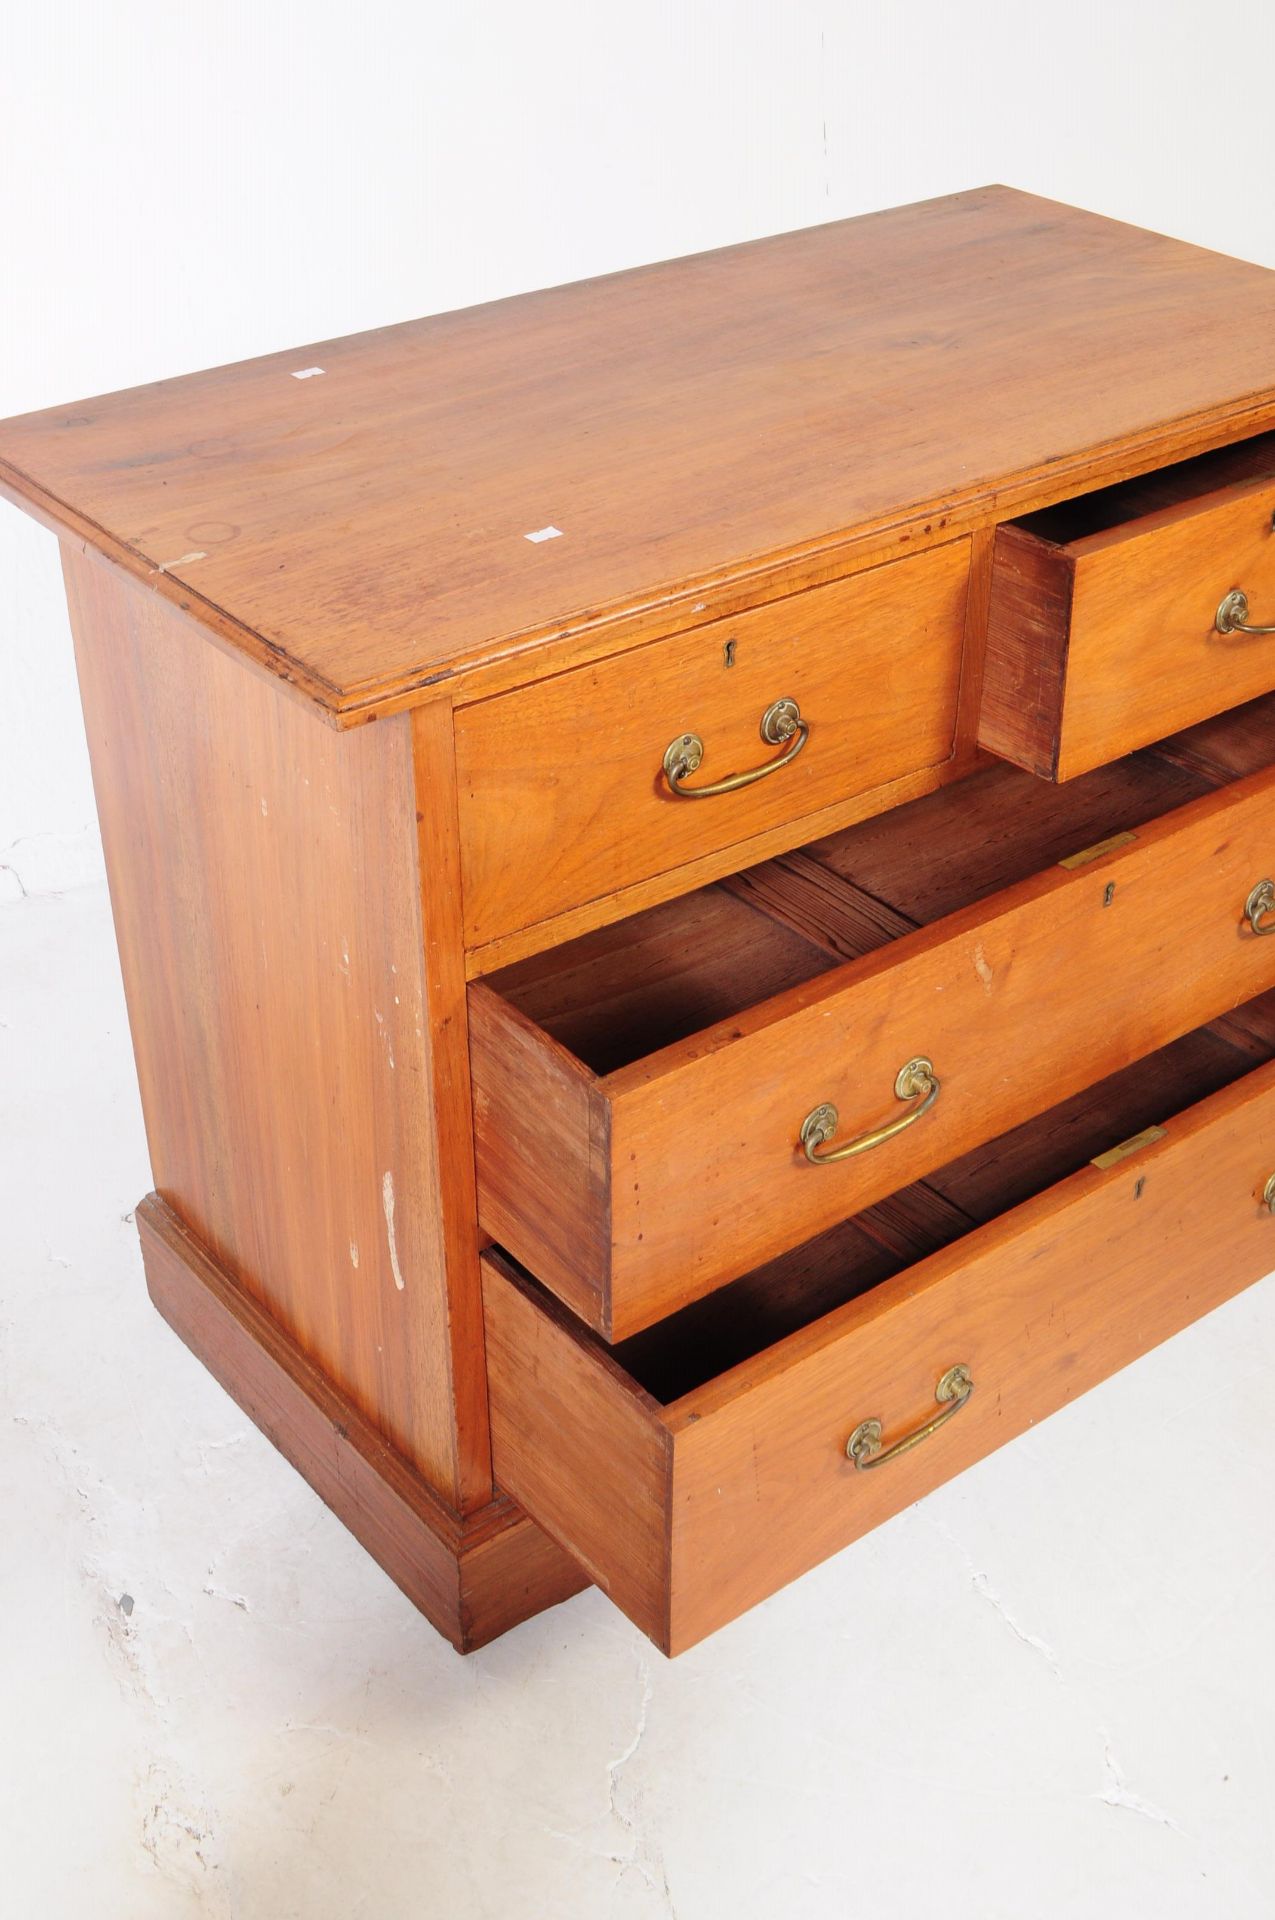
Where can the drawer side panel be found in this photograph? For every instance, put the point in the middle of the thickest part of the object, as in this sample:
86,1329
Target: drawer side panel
1029,615
541,1138
579,1445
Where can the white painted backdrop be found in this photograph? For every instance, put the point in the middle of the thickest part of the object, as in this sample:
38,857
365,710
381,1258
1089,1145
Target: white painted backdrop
183,185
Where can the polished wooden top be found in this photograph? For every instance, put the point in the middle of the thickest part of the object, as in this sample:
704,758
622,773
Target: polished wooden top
363,531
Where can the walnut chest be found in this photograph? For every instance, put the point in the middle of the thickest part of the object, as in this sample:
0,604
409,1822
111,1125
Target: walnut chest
692,856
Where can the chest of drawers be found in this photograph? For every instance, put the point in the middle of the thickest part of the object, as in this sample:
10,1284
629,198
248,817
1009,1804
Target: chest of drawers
691,857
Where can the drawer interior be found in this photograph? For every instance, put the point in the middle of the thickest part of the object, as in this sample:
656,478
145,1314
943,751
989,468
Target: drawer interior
698,1464
742,1319
620,994
1166,489
1103,612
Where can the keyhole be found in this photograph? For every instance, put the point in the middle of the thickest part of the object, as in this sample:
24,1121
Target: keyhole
728,654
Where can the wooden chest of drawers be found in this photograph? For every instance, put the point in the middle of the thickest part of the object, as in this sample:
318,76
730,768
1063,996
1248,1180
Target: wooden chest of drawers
692,857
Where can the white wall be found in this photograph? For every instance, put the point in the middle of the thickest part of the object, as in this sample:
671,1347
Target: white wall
184,185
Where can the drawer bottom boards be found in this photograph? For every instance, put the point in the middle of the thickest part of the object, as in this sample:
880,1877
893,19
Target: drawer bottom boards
702,1464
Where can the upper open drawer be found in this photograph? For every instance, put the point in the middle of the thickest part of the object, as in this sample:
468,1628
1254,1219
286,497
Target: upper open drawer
667,1102
1119,617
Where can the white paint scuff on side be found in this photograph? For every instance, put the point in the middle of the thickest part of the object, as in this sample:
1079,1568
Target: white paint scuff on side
982,968
387,1201
354,1252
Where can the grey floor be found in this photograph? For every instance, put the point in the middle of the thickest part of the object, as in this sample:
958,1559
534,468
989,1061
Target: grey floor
1048,1691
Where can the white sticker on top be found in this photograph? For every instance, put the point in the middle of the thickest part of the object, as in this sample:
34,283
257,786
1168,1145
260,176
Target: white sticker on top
307,373
544,533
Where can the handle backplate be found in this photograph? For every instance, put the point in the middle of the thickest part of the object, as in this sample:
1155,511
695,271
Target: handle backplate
915,1081
865,1446
1260,902
781,726
1232,615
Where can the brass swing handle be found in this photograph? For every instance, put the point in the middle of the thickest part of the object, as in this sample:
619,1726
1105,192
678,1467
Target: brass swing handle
781,723
864,1445
1232,615
1260,902
915,1081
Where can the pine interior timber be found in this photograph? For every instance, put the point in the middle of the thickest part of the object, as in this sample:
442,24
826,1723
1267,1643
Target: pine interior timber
499,1059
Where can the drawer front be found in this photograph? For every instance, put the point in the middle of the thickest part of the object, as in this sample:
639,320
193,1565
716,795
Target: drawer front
563,793
633,1194
1108,642
689,1513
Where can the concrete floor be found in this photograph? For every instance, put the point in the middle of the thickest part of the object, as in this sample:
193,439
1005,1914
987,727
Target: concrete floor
1048,1691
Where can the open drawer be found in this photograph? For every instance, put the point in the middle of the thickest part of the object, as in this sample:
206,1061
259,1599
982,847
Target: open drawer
665,1103
705,1463
1119,617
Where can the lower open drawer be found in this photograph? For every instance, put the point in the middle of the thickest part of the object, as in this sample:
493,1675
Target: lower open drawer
702,1464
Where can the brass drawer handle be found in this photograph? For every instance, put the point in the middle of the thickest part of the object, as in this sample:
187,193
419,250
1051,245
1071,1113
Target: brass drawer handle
1232,615
781,722
864,1445
915,1081
1259,903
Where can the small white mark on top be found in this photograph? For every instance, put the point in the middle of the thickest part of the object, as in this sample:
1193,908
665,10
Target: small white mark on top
387,1201
354,1254
264,808
543,533
307,373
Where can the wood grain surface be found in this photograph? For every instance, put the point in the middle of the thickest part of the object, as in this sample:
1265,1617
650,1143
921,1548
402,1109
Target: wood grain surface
743,1483
562,791
737,1322
892,379
970,841
291,1047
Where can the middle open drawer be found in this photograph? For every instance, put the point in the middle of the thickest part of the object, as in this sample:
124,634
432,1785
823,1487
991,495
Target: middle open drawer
659,1106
